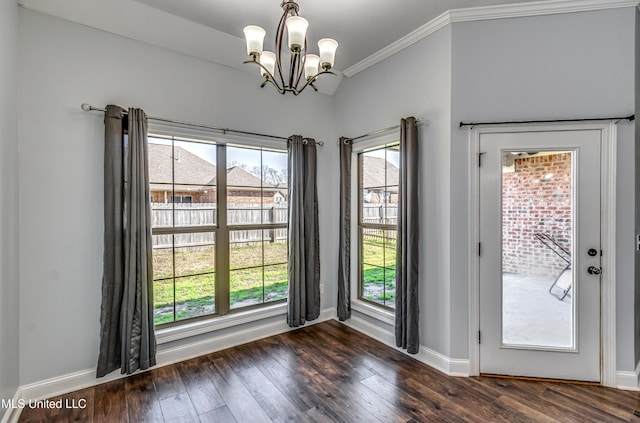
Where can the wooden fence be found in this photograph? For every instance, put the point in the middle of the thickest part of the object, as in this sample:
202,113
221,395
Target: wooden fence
382,214
204,214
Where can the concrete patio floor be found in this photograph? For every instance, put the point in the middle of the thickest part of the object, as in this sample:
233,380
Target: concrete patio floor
532,316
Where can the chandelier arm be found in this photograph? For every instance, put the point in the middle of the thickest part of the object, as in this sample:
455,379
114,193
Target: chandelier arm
311,80
268,78
275,84
279,38
301,63
294,70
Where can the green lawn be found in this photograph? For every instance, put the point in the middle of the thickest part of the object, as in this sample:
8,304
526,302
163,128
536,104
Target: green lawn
194,281
379,268
193,286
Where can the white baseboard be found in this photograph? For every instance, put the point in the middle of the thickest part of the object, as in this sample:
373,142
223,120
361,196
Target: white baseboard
448,366
629,381
86,378
11,415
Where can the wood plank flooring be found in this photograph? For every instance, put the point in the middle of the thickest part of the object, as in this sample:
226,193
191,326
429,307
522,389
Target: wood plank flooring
331,373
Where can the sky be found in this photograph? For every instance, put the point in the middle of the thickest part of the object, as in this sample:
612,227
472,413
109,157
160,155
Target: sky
252,158
248,156
392,155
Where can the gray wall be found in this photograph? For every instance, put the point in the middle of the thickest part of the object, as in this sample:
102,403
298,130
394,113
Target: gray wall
547,67
415,82
570,65
637,179
63,65
9,211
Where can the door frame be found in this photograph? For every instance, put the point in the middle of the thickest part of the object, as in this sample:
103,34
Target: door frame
608,165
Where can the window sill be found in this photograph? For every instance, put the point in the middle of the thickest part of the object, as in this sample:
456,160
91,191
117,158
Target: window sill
187,330
371,310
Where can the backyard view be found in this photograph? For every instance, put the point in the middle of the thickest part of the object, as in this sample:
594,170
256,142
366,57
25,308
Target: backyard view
190,242
184,188
194,295
378,171
379,266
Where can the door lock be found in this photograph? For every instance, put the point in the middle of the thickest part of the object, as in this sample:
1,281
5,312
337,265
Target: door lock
592,252
593,270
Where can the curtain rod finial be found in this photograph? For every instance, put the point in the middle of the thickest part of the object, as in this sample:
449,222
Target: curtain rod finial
86,107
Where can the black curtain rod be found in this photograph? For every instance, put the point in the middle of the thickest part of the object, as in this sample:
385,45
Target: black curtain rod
87,108
629,118
379,131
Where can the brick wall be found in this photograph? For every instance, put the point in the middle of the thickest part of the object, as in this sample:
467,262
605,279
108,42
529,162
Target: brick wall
536,198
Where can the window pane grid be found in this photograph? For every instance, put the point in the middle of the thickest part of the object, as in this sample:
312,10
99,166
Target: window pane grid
258,262
184,178
377,217
184,276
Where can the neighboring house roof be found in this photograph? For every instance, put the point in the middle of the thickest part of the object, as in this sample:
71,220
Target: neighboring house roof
373,172
239,177
190,170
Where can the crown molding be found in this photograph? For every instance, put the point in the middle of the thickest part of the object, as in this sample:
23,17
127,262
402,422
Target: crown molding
404,42
536,8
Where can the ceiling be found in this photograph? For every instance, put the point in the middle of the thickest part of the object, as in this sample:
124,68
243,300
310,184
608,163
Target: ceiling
367,31
361,27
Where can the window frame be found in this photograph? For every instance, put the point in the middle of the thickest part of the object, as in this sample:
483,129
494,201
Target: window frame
372,309
223,316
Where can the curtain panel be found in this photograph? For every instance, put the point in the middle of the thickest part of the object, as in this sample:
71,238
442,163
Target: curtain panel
127,337
304,238
408,240
344,247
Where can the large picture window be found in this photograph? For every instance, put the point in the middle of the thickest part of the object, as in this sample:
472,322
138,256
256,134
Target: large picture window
219,230
377,224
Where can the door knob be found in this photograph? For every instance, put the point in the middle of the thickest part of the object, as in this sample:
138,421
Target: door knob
593,270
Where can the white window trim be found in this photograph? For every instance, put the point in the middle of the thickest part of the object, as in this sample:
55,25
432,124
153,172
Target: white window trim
189,328
376,312
204,135
199,327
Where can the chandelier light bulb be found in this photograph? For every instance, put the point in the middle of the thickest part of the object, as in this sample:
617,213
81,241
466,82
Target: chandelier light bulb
311,63
254,36
268,60
297,29
328,49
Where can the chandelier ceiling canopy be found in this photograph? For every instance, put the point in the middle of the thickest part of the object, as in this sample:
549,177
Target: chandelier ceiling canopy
301,62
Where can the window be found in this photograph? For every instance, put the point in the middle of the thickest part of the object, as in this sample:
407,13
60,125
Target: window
377,224
182,199
219,231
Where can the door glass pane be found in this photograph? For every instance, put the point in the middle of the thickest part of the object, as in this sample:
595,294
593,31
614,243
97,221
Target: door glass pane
537,248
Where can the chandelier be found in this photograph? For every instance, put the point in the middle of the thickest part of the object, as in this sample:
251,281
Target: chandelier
300,61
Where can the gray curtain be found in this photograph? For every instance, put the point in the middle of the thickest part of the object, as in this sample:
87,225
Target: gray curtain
127,337
304,238
344,248
408,240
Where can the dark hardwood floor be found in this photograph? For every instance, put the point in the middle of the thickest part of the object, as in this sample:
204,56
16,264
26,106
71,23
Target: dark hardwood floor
331,373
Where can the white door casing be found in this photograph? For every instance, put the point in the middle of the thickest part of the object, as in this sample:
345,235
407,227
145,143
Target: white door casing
607,137
552,183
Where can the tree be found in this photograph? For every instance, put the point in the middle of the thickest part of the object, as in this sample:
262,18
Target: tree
265,173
